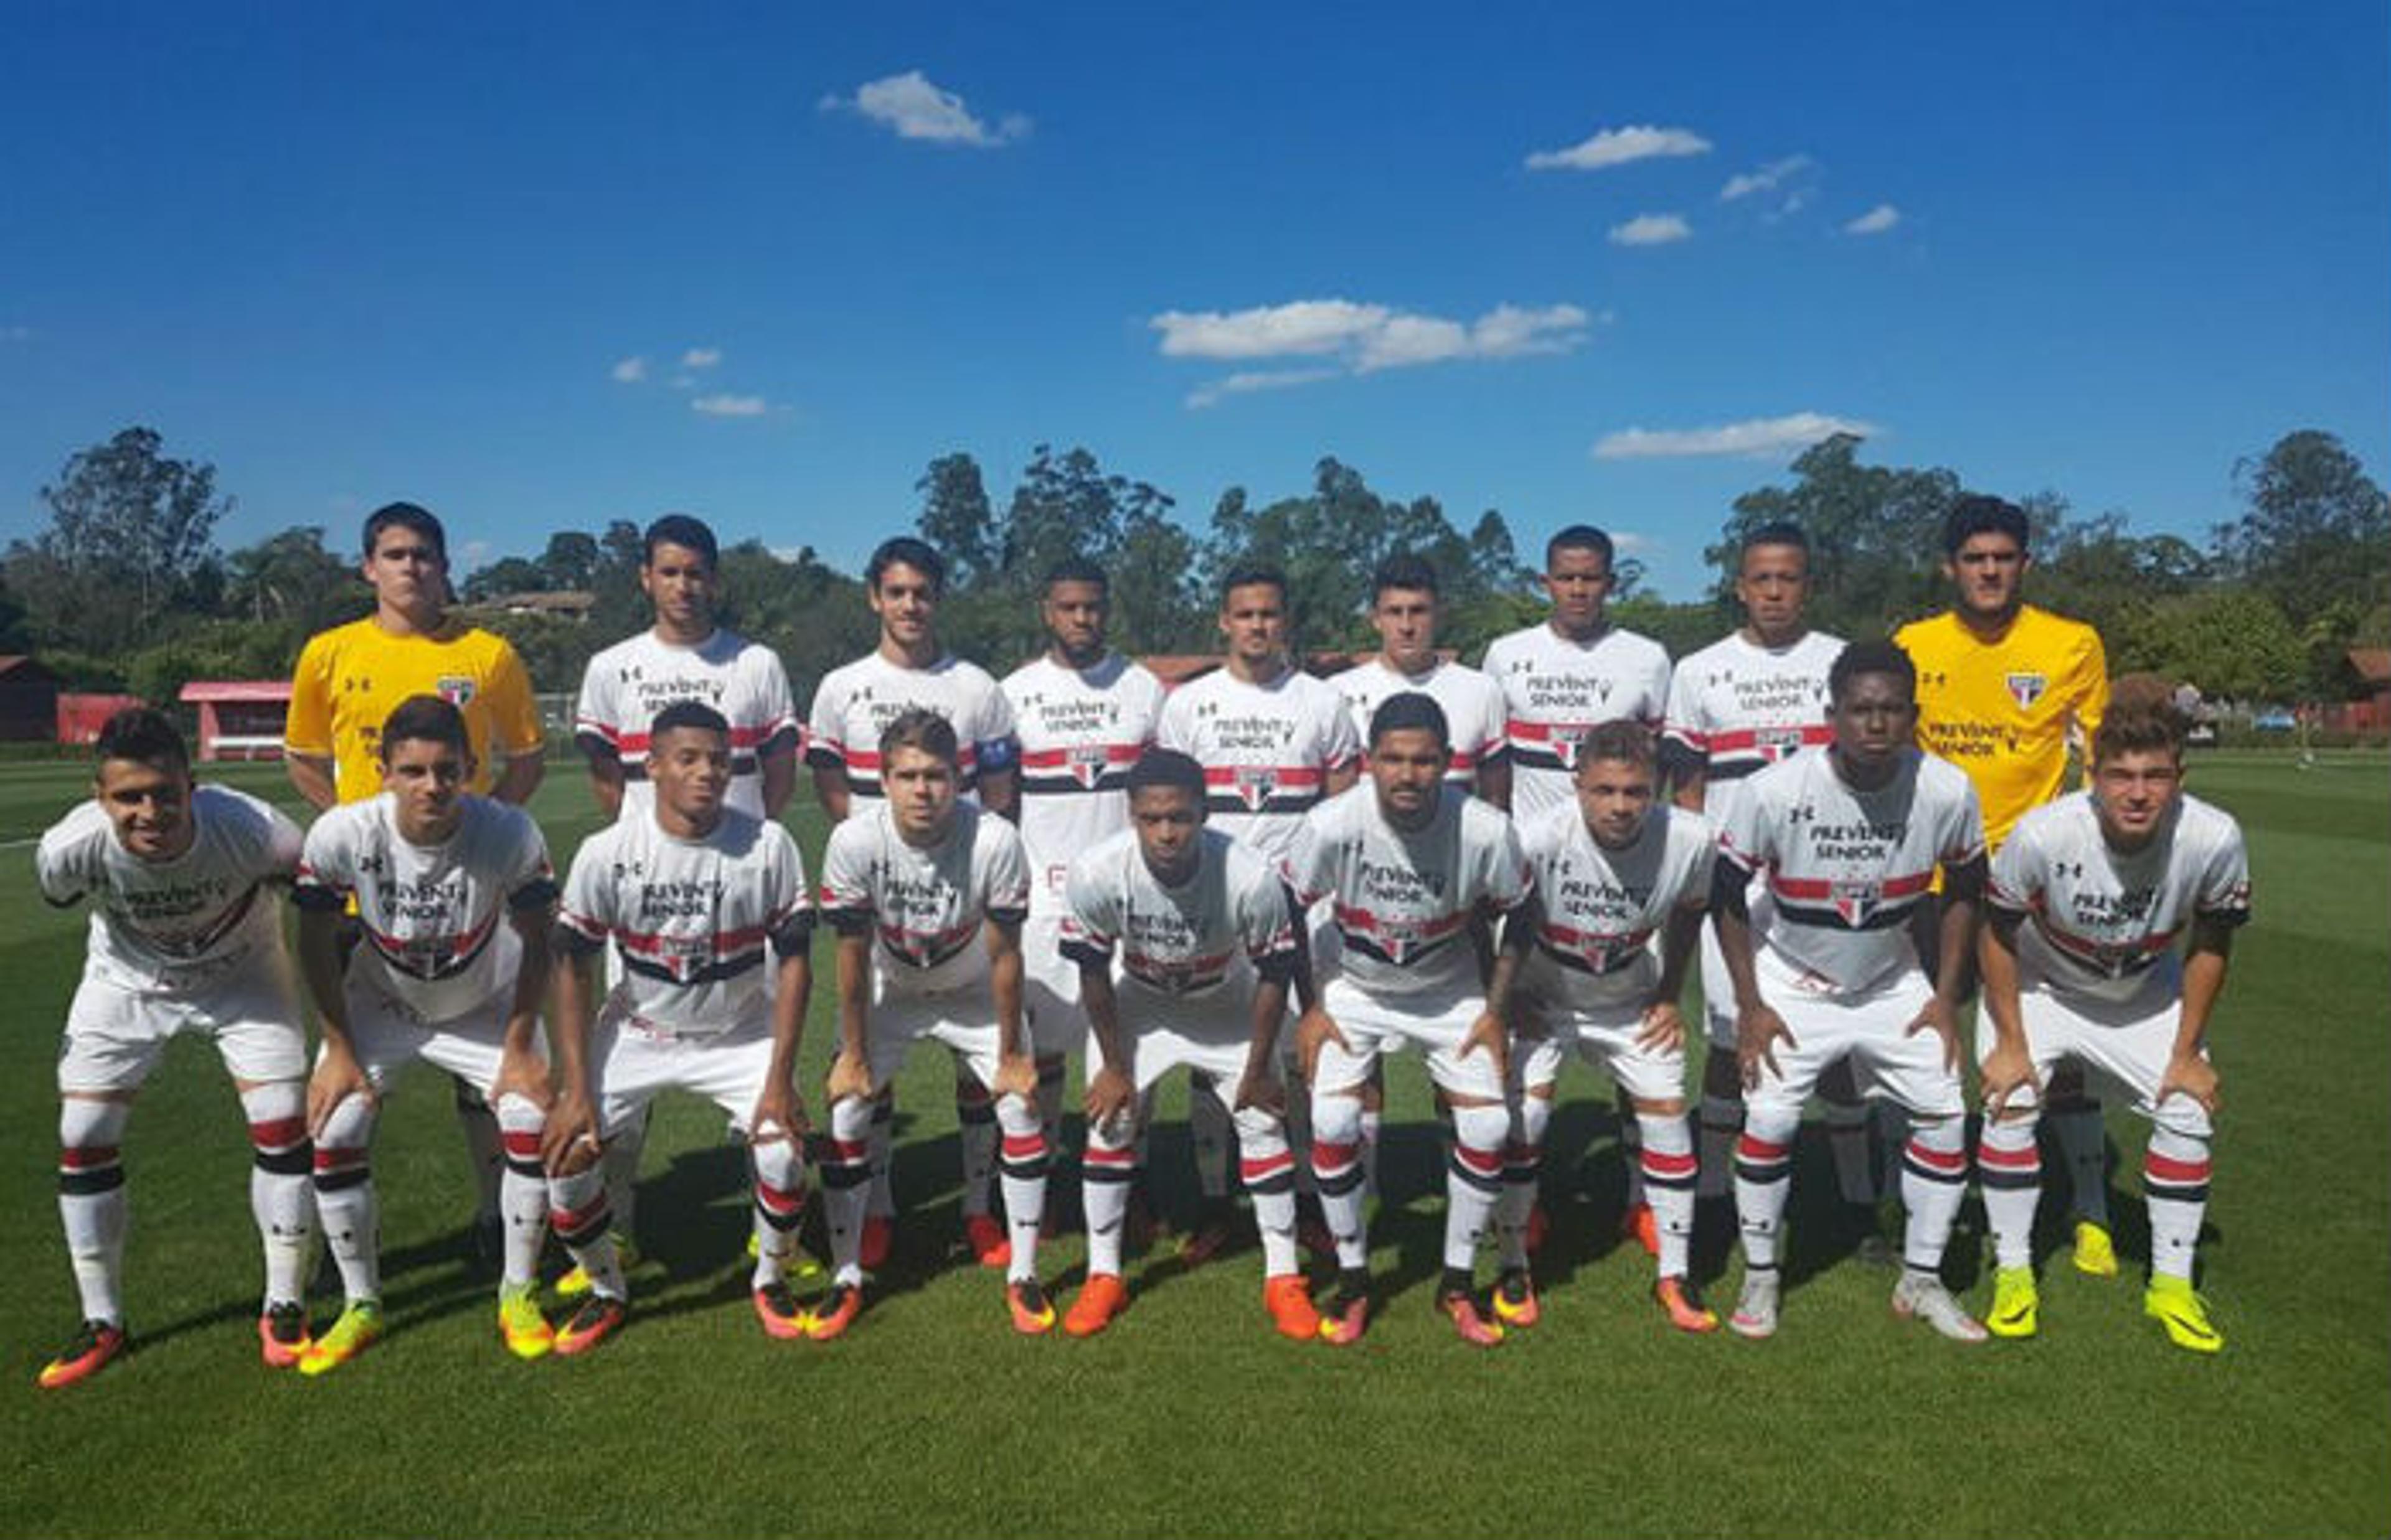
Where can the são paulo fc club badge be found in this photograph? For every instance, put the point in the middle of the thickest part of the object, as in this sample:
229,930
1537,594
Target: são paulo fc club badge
1255,785
1087,764
1566,741
457,691
2026,689
1855,902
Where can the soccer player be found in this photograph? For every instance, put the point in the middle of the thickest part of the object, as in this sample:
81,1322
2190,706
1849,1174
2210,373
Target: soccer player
184,937
1559,679
2088,901
1084,714
928,893
1611,873
853,706
697,900
348,681
1847,841
1404,611
2002,689
1416,874
684,656
1274,742
1738,706
1185,949
455,896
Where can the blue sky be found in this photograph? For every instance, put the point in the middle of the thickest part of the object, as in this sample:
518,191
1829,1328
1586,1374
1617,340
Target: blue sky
539,268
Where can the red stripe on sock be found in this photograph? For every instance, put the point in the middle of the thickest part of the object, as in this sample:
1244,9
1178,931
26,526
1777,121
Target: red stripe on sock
2028,1159
2161,1168
1486,1162
337,1160
1658,1164
1268,1166
1024,1146
569,1220
850,1152
1760,1150
279,1134
1123,1158
1952,1162
524,1147
779,1199
88,1157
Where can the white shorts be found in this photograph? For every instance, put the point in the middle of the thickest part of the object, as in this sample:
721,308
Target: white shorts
115,1036
1607,1042
1050,990
1158,1034
388,1036
628,1064
1436,1023
2127,1044
1868,1029
964,1022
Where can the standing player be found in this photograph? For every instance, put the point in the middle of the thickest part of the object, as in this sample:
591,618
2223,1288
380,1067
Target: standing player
2002,687
928,893
2088,899
1274,742
855,704
1206,949
685,656
1611,873
1084,714
1416,874
697,900
1404,610
455,896
348,681
1559,679
1847,841
182,937
1735,707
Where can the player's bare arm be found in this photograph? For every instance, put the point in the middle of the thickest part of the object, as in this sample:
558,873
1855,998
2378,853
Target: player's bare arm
311,775
850,1072
2009,1068
521,1069
1110,1094
1495,782
1338,779
1963,889
830,789
521,775
778,772
605,770
1259,1085
1000,792
1489,1031
569,1144
1758,1028
2205,962
338,1074
1663,1029
1016,1068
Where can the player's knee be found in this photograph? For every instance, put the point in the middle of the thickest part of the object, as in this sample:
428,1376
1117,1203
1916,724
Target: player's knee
1336,1117
341,1148
91,1133
780,1182
1772,1125
1258,1127
1481,1125
277,1114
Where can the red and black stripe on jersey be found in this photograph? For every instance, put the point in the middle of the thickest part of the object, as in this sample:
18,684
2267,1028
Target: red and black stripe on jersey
1075,770
1588,951
194,945
1176,975
926,949
728,954
1398,942
1251,788
1882,905
1732,753
430,959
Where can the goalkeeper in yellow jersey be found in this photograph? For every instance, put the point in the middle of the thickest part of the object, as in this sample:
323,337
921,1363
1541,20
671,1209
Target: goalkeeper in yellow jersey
2003,689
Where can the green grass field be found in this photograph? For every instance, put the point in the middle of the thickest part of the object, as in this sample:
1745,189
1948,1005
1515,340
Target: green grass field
1190,1417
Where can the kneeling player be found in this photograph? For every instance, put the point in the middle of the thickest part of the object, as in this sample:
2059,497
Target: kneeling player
1847,838
697,899
1416,872
929,878
1206,951
2088,899
1609,872
183,938
454,894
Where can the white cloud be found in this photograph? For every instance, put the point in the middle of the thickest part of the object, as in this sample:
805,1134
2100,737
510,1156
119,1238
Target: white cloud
1875,221
629,371
1617,147
1362,338
701,358
1759,438
915,108
1766,179
1267,331
1651,230
1247,381
728,406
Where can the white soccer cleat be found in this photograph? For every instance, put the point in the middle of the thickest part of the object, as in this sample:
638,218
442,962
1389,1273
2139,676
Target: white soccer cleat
1921,1296
1755,1308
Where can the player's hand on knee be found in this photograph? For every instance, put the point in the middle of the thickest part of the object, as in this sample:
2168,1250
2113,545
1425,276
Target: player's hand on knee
1110,1096
1260,1088
569,1144
2194,1077
338,1077
1017,1075
779,1115
522,1073
1938,1017
1487,1032
1757,1033
2007,1071
1662,1030
850,1079
1315,1028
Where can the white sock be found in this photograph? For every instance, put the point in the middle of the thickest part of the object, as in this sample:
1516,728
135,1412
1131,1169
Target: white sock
1267,1167
281,1199
2175,1185
849,1183
91,1201
344,1197
522,1190
1933,1179
1473,1180
1337,1173
577,1208
1669,1175
1763,1178
2008,1168
779,1175
1523,1163
1107,1169
1023,1173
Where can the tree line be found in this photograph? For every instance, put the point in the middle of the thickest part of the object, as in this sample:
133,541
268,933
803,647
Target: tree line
126,589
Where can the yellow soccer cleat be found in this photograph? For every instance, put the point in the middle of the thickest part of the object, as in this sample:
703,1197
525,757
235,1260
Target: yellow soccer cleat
2016,1305
1515,1299
522,1326
2095,1254
2171,1303
358,1329
282,1334
1033,1315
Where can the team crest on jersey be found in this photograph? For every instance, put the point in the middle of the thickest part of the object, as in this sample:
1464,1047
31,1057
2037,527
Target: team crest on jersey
1086,761
457,691
1255,786
2026,689
1857,901
1566,741
1777,742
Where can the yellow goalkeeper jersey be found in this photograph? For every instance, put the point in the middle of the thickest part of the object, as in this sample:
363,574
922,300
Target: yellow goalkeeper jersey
349,679
2004,711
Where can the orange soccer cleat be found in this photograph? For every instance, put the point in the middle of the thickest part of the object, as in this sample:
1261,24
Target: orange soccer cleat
1103,1297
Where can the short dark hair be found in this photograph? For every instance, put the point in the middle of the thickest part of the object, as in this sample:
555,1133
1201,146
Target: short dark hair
428,719
1621,740
1781,531
146,736
1249,574
2142,718
1873,656
688,531
1405,571
920,727
687,713
1074,569
1167,769
1580,537
1410,710
1978,514
405,516
905,551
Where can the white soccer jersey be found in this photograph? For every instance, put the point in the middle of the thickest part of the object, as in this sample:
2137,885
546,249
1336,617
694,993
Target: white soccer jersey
1554,689
1080,731
926,906
691,920
1845,867
2101,925
854,703
436,940
1737,707
1267,751
1181,942
1474,713
1402,901
171,925
626,685
1597,910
